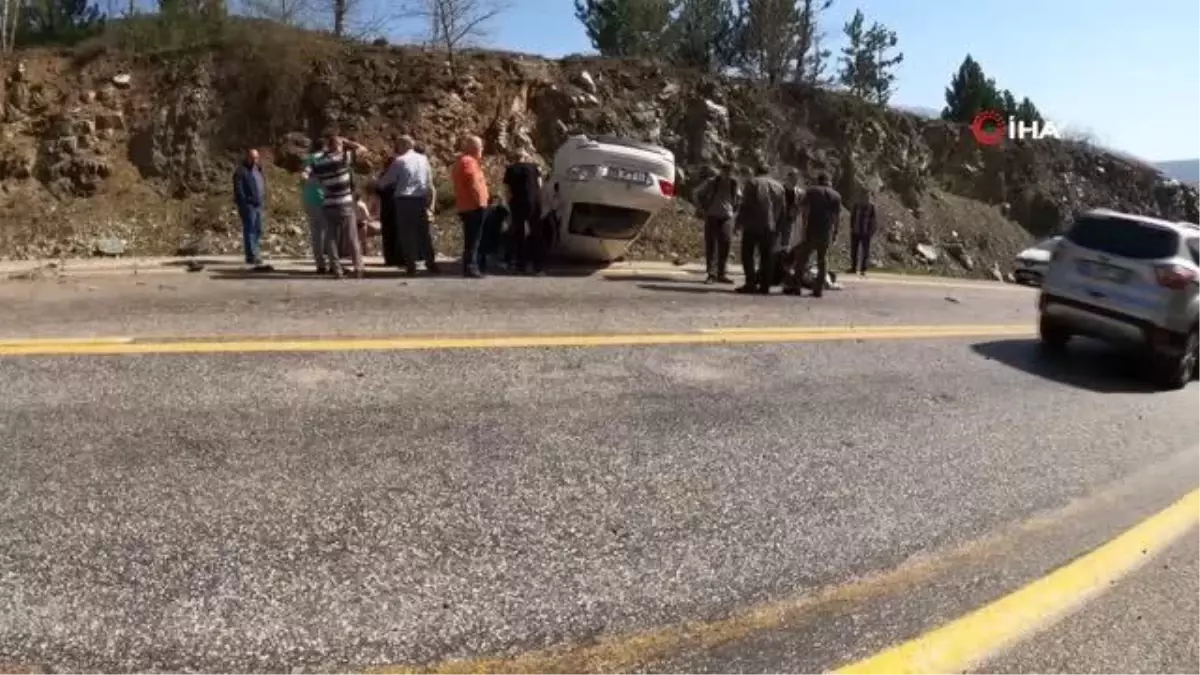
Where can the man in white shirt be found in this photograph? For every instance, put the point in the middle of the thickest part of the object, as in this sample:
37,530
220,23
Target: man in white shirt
410,180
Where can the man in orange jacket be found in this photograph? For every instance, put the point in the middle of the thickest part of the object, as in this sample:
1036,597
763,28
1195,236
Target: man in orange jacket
471,201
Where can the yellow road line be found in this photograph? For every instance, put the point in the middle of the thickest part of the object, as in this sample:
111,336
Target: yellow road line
276,344
970,640
637,650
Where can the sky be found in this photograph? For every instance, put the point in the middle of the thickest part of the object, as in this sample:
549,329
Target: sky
1129,78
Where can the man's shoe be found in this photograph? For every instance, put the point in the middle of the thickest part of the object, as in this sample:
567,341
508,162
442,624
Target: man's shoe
817,294
710,279
746,290
433,269
724,280
472,274
762,291
322,270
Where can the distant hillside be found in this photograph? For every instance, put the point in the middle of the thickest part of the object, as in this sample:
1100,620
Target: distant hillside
1183,170
921,111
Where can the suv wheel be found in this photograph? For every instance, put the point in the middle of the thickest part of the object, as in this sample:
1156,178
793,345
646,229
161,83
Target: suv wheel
1176,371
1054,337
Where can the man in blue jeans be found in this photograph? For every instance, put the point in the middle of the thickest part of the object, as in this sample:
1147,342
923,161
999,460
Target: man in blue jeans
250,195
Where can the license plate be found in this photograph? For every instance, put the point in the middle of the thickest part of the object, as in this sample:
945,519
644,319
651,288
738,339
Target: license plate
628,175
1117,275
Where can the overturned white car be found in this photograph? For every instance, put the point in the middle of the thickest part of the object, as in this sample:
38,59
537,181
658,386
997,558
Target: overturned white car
604,191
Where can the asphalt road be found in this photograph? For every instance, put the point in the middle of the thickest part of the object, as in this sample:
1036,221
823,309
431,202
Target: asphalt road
332,511
1145,625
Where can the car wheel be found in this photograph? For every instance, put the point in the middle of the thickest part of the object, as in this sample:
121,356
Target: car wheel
1176,371
1053,336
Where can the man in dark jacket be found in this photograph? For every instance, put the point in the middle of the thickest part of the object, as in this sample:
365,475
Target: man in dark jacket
250,196
762,209
523,180
864,222
718,201
491,243
822,209
387,217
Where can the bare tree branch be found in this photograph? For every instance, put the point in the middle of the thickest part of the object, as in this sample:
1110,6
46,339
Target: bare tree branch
298,13
454,24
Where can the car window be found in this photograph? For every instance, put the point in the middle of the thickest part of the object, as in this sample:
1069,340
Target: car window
1193,246
1125,238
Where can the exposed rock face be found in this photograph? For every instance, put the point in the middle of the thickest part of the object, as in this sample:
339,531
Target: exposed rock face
177,127
175,141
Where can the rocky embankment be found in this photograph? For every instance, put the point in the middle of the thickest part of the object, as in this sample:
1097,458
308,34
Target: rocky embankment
105,154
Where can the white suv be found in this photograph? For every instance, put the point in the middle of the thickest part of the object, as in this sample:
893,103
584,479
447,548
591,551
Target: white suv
1130,280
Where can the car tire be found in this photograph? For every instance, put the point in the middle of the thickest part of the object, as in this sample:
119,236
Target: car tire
1176,371
1053,336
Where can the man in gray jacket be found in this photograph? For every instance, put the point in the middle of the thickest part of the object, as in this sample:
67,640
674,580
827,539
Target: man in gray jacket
718,200
822,210
763,208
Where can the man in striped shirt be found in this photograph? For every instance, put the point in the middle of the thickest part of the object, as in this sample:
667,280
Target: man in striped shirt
334,168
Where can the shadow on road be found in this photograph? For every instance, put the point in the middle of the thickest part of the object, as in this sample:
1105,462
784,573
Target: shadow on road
650,276
185,262
1085,364
681,286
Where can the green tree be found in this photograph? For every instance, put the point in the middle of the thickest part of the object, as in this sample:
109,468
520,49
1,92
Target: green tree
626,27
45,21
812,59
867,63
970,91
1028,112
768,37
703,33
1008,103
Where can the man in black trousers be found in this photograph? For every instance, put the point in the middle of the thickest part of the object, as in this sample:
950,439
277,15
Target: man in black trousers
523,179
387,222
823,208
863,223
718,201
762,208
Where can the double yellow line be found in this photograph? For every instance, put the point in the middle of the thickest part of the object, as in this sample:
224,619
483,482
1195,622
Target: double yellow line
715,336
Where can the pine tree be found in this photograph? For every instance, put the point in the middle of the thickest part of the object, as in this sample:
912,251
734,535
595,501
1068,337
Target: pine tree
1008,103
812,60
970,92
813,69
626,27
866,65
768,37
1027,112
703,34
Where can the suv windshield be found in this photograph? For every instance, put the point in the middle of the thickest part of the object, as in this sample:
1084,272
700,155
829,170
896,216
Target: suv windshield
1124,238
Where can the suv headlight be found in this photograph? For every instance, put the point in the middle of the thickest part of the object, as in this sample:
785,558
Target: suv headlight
583,172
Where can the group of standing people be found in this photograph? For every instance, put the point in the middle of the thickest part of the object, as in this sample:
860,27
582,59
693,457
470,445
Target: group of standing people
768,213
519,232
